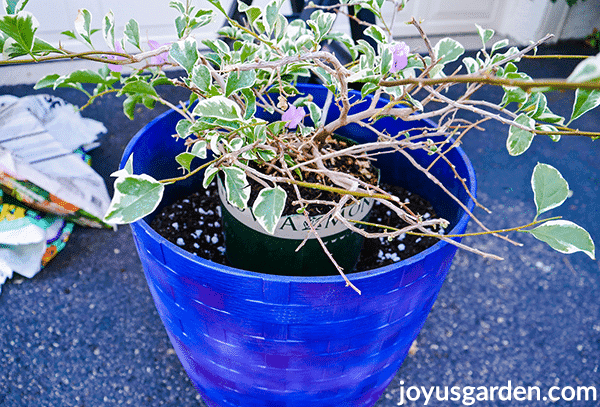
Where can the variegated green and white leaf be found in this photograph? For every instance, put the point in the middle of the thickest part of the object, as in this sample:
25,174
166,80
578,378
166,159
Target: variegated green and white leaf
268,207
237,187
219,107
125,171
485,34
239,80
132,33
209,175
199,149
108,29
519,140
185,53
565,237
135,197
448,50
585,100
550,189
586,70
21,27
83,25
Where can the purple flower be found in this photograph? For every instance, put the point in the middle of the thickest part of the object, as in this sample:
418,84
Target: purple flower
113,67
293,116
399,56
160,58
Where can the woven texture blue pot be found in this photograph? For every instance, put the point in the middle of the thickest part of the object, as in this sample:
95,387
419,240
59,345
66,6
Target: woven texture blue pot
254,339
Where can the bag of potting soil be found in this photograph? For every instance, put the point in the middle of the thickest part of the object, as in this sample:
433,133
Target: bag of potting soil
39,162
28,239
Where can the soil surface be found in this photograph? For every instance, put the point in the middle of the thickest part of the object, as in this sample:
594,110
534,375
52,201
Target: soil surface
194,223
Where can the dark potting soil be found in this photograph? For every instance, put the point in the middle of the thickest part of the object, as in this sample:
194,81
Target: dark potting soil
194,224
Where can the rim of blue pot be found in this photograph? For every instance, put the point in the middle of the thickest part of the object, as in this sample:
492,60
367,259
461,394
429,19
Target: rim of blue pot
354,276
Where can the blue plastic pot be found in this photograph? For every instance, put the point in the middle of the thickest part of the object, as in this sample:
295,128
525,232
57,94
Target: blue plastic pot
254,339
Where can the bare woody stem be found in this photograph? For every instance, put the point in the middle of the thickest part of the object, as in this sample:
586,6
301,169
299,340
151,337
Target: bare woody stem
525,85
96,56
489,232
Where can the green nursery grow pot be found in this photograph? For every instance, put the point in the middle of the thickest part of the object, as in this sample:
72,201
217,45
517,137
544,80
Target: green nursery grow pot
250,247
250,339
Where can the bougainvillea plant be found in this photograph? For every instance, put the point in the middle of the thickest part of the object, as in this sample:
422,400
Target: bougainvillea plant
257,64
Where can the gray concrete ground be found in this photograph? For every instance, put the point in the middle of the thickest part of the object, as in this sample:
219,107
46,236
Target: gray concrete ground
84,332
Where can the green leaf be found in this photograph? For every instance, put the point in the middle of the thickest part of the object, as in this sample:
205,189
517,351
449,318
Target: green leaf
47,81
550,189
132,33
135,197
314,112
200,19
252,13
83,24
471,64
69,33
250,98
21,28
180,25
185,160
368,88
586,70
414,102
239,80
42,47
513,94
219,107
138,87
376,33
536,105
549,117
217,4
270,15
125,171
499,45
565,236
209,175
84,76
519,140
199,149
268,207
237,187
485,34
448,50
185,53
183,128
201,77
108,29
129,105
177,5
549,127
585,100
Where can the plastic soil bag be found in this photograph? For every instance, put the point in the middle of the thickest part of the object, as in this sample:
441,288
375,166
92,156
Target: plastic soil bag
28,239
38,162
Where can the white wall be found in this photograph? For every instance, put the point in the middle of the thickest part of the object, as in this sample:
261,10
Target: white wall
521,20
581,19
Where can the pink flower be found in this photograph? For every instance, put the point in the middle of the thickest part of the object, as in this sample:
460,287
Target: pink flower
114,67
293,116
399,56
160,58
